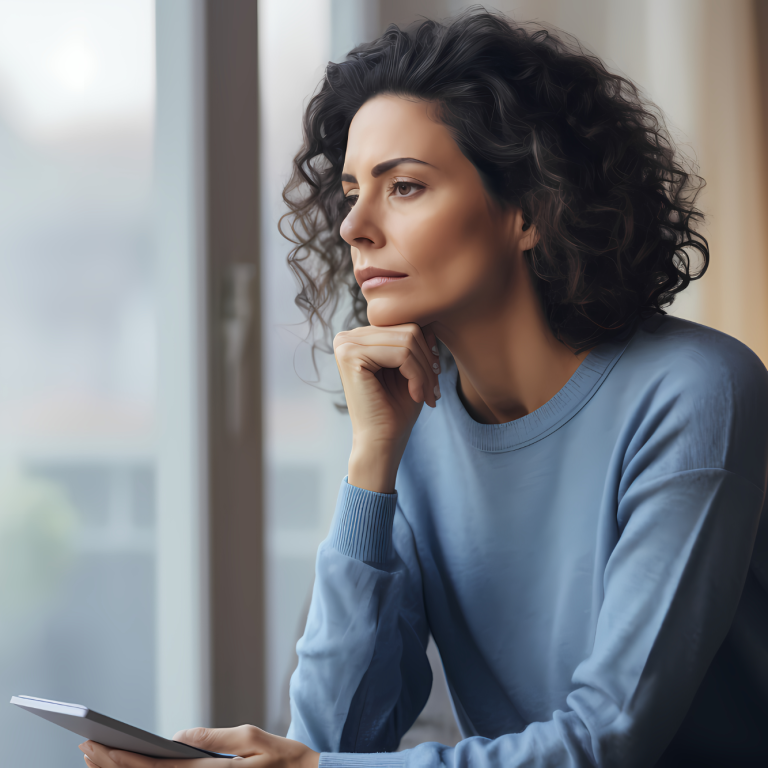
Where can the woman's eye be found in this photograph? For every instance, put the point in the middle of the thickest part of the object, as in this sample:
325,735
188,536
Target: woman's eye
351,198
406,188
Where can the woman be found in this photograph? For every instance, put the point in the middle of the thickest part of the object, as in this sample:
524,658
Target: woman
576,516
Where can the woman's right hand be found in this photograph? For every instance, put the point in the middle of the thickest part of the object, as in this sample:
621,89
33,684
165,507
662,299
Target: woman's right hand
388,373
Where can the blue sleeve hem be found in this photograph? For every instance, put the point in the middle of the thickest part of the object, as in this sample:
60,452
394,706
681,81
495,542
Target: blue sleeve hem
362,524
353,760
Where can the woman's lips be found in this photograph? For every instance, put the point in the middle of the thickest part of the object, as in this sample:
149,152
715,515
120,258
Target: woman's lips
373,277
375,282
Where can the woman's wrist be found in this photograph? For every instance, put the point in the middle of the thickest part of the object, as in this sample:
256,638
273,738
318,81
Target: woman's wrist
373,468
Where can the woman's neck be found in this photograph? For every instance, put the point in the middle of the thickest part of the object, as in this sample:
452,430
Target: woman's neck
508,359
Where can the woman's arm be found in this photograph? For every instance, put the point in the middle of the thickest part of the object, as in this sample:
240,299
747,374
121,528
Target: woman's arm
672,586
363,674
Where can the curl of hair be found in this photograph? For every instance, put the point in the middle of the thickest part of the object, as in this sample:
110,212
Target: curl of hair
549,129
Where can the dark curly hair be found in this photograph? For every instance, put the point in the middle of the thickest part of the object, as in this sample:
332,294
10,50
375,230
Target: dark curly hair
550,130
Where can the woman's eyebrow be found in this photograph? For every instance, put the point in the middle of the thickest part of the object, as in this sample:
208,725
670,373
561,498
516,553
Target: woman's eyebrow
389,164
384,167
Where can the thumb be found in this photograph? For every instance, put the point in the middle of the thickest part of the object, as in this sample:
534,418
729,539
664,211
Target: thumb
245,740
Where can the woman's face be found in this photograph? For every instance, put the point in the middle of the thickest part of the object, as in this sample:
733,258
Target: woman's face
428,243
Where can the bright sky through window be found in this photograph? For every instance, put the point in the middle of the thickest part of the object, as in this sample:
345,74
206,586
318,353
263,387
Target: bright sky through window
68,67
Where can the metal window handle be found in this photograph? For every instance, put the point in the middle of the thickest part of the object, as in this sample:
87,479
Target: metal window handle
236,317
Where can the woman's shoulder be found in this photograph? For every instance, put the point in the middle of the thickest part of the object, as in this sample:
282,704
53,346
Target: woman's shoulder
695,357
698,398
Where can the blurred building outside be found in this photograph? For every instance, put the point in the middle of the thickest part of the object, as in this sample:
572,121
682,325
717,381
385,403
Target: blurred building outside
77,355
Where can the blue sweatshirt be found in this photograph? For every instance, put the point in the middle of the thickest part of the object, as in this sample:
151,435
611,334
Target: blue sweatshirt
594,574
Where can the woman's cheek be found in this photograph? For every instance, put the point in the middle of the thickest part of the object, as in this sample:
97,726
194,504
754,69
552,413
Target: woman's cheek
445,247
423,242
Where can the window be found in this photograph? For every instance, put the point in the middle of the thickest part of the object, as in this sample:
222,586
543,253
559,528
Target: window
77,354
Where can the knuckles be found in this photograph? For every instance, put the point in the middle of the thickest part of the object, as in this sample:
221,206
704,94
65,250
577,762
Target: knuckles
199,736
350,352
340,338
250,732
345,352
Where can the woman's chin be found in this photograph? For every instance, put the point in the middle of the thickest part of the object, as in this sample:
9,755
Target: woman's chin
383,313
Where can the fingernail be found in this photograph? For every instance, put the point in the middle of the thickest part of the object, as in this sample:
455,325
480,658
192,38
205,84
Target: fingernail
437,391
435,350
436,367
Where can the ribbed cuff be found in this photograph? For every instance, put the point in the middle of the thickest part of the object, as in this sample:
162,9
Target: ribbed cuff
362,524
353,760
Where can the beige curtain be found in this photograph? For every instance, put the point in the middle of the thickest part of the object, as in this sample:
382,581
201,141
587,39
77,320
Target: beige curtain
731,111
704,63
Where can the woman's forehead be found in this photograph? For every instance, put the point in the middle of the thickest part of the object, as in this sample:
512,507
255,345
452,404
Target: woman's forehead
388,127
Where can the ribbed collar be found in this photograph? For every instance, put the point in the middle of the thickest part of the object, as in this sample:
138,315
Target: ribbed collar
543,421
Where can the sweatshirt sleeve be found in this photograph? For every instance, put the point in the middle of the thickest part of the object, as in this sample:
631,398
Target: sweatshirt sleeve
363,675
688,512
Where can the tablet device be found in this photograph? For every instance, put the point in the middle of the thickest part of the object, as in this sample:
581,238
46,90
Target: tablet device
104,730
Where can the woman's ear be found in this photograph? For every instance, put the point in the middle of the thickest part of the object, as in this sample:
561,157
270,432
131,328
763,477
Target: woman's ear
524,233
529,237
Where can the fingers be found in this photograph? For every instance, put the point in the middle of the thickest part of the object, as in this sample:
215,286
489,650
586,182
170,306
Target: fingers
409,367
418,336
376,358
245,740
99,756
407,337
96,755
431,339
106,757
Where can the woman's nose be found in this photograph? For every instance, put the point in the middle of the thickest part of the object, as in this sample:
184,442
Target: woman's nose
360,228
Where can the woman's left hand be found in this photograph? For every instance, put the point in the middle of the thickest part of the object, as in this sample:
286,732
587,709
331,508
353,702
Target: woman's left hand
257,749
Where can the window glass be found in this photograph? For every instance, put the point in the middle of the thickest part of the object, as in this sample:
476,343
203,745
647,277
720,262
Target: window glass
77,362
307,438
